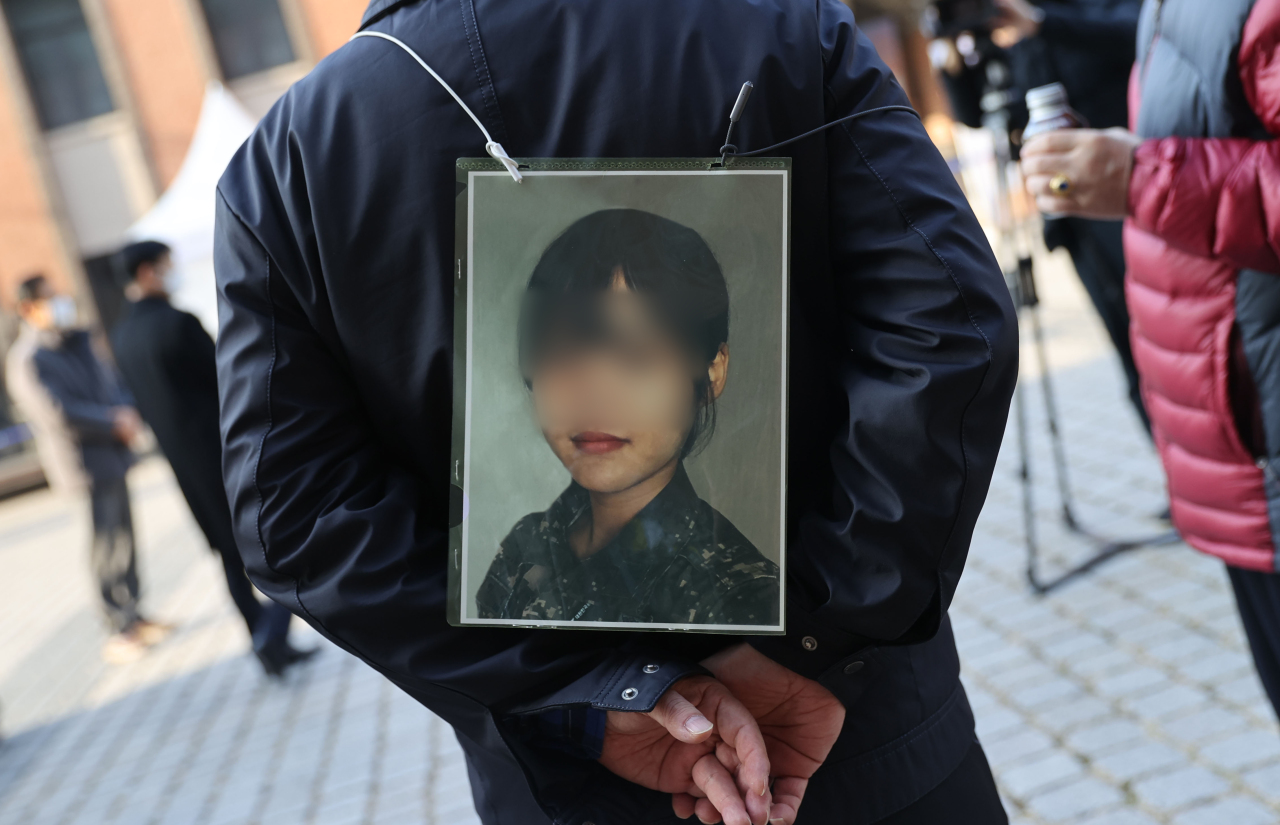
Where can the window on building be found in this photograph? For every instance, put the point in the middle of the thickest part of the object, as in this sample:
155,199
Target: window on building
59,60
249,35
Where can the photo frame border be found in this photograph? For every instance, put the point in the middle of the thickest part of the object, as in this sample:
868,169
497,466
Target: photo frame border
467,170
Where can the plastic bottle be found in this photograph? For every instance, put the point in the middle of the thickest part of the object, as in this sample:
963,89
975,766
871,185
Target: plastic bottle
1049,111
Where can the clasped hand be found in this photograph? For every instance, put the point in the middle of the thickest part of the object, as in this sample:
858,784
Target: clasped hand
715,743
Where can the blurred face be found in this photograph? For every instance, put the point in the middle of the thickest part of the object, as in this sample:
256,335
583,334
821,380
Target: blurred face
48,310
618,412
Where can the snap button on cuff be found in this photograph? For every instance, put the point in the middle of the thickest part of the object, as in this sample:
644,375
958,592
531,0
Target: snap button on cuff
630,693
650,668
809,643
852,668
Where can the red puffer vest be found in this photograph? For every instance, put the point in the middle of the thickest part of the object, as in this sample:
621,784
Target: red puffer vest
1203,250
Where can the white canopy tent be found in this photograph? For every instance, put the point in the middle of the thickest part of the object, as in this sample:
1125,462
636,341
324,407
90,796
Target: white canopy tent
183,216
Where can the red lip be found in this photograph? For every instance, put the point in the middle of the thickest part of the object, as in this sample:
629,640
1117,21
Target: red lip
599,443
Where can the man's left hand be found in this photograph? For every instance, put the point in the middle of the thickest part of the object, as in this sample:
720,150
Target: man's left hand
1094,164
675,748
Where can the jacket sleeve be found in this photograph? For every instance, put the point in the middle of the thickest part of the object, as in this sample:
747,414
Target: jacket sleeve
92,423
332,526
1220,197
928,339
1097,29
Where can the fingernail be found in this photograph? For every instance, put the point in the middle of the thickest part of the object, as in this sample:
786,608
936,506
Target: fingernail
698,725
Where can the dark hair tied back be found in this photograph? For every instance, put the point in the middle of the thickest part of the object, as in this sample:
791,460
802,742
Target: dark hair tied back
661,260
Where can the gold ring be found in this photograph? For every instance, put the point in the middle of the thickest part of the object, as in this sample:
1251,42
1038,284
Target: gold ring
1060,185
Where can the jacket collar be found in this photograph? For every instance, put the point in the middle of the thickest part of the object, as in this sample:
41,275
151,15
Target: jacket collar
378,9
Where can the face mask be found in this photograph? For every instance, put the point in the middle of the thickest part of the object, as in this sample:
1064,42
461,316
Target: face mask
171,280
63,310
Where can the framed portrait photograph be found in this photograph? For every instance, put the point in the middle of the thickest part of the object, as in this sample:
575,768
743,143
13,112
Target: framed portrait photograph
619,440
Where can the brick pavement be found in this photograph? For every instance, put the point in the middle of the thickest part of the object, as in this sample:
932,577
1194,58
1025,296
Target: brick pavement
1127,698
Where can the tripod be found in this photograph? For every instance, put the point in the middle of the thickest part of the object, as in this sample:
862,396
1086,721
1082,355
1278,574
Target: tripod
1020,278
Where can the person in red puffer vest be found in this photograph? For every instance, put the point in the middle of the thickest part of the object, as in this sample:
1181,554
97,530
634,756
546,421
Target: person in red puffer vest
1198,181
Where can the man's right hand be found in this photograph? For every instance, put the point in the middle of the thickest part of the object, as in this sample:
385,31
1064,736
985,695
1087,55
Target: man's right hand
799,719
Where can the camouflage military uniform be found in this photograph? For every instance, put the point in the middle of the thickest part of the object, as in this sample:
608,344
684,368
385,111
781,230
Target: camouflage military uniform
678,561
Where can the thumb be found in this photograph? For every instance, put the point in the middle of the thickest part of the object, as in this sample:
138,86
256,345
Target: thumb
681,719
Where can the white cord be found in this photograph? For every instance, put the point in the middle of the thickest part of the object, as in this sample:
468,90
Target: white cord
491,146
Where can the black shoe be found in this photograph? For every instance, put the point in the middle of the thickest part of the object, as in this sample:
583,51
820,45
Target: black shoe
272,661
278,658
295,656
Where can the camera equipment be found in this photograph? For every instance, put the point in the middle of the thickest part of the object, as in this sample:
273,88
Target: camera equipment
998,100
949,18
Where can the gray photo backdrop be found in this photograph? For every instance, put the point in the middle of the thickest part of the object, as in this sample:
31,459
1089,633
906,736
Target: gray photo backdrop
513,471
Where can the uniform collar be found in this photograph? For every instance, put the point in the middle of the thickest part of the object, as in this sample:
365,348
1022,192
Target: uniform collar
661,528
378,9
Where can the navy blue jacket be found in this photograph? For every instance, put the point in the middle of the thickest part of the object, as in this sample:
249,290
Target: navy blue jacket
86,391
334,264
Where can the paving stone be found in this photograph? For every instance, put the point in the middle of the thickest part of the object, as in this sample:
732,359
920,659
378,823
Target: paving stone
1131,681
1079,712
1244,750
1205,724
1170,700
1078,798
1054,691
1034,774
1266,781
1233,810
1181,787
1017,747
1124,816
1105,736
1140,760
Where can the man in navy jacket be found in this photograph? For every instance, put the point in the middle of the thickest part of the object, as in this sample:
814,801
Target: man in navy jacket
335,261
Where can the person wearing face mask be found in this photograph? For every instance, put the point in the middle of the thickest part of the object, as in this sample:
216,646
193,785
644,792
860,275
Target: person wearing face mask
84,423
166,358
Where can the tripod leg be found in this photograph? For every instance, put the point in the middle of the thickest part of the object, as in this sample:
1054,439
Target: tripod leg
1055,432
1028,498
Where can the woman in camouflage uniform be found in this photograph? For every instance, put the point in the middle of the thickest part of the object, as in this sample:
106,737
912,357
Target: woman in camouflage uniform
624,349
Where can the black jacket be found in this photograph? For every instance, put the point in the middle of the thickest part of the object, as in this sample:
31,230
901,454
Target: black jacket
1089,47
334,265
166,359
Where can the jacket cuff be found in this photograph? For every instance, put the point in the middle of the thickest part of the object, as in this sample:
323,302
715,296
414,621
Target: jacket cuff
810,647
627,680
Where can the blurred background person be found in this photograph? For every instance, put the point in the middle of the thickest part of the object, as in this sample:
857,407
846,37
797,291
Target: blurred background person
1199,180
1089,47
83,425
167,360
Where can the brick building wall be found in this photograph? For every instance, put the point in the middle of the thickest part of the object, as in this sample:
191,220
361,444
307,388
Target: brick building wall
166,74
158,57
29,235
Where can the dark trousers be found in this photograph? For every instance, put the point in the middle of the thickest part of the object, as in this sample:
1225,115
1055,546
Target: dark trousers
268,623
967,797
1097,250
112,554
1258,598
